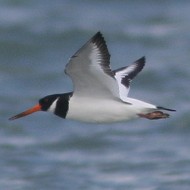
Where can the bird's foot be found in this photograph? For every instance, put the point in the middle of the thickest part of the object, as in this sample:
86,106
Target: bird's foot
154,115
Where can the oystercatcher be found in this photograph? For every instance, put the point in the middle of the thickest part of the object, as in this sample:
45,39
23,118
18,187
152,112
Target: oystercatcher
100,94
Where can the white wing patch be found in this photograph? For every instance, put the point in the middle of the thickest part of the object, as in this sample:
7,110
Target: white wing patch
124,76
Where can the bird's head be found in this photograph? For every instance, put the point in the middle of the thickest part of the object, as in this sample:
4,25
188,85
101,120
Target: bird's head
48,103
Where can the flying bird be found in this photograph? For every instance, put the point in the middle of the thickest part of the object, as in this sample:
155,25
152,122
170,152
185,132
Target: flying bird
100,95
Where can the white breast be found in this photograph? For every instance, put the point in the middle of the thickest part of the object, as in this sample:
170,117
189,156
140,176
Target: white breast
100,110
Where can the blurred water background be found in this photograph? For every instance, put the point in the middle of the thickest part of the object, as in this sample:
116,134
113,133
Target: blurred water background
45,152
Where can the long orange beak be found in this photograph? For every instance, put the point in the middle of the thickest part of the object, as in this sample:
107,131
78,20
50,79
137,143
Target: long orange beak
27,112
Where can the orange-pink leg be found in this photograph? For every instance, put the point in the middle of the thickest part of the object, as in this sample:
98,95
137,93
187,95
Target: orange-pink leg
154,115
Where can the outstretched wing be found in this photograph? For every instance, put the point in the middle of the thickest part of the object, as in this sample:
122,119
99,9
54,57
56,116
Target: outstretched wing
124,76
89,69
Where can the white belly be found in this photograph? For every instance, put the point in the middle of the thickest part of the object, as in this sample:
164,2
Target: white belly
101,110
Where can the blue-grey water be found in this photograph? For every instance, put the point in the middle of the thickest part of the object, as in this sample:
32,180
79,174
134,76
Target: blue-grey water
45,152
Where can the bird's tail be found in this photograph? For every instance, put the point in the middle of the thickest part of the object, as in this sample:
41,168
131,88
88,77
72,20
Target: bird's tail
162,108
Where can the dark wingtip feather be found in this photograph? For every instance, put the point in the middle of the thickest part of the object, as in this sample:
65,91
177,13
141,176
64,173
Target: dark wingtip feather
140,63
97,36
100,43
141,60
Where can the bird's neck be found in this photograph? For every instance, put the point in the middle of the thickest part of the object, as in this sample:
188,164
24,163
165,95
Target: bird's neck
61,106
